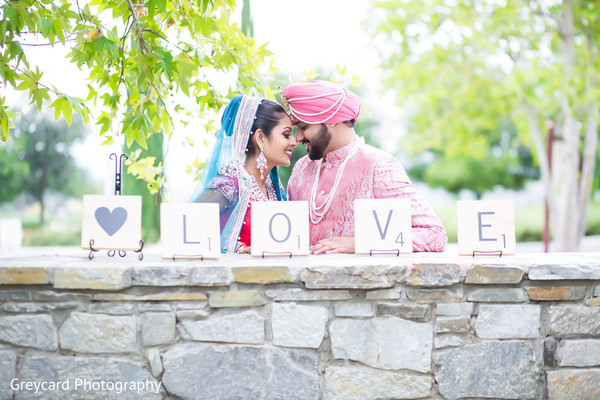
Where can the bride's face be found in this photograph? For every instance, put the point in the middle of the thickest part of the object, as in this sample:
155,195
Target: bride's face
279,145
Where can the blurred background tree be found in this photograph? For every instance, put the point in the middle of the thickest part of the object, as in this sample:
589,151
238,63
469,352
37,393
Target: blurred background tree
39,160
479,79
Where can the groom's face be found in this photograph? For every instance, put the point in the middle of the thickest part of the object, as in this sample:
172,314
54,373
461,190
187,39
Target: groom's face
315,137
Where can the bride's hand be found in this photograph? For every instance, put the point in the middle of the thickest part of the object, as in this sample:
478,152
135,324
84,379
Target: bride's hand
243,249
343,244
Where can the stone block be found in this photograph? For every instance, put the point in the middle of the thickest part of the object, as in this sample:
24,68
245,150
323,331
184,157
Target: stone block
354,310
98,333
15,295
85,376
567,320
161,296
161,276
244,327
237,298
201,371
296,325
550,272
36,307
348,278
497,321
454,309
416,312
386,343
24,276
112,308
434,275
441,341
556,293
143,307
578,353
211,276
262,275
8,371
459,324
98,278
494,274
153,357
35,331
342,383
450,295
383,294
502,370
50,295
573,384
298,294
501,295
158,328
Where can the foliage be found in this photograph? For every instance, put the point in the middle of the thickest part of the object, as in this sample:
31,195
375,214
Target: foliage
469,71
152,65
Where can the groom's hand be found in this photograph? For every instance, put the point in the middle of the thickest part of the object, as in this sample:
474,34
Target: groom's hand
343,244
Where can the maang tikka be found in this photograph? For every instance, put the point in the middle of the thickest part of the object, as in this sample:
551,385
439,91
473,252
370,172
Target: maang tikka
261,163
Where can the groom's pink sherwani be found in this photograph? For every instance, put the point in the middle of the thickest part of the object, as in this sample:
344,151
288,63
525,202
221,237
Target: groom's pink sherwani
370,173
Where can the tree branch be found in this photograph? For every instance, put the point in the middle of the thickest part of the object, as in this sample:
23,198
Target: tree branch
138,28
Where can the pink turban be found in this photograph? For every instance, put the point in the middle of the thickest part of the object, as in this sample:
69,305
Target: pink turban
319,102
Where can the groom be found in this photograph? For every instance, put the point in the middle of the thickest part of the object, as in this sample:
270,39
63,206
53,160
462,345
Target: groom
340,168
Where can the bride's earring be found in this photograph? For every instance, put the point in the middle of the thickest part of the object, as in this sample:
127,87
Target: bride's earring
261,163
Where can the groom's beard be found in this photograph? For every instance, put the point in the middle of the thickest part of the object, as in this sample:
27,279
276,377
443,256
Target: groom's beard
319,143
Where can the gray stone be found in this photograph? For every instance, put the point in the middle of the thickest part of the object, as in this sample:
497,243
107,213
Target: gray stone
296,325
578,353
36,331
504,370
143,307
574,320
112,308
244,327
342,383
494,274
453,309
417,312
160,276
441,341
91,378
446,295
383,294
495,321
200,371
458,324
8,368
434,275
15,295
211,276
386,343
564,271
192,314
158,328
502,295
37,307
297,294
156,367
349,277
354,310
567,384
49,295
192,305
98,333
597,291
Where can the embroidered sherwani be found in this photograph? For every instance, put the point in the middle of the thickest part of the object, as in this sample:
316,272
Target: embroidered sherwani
370,173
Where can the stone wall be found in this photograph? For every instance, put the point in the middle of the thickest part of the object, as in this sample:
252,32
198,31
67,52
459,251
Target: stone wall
424,326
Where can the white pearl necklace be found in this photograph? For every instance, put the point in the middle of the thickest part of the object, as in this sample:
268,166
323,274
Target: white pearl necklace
317,212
